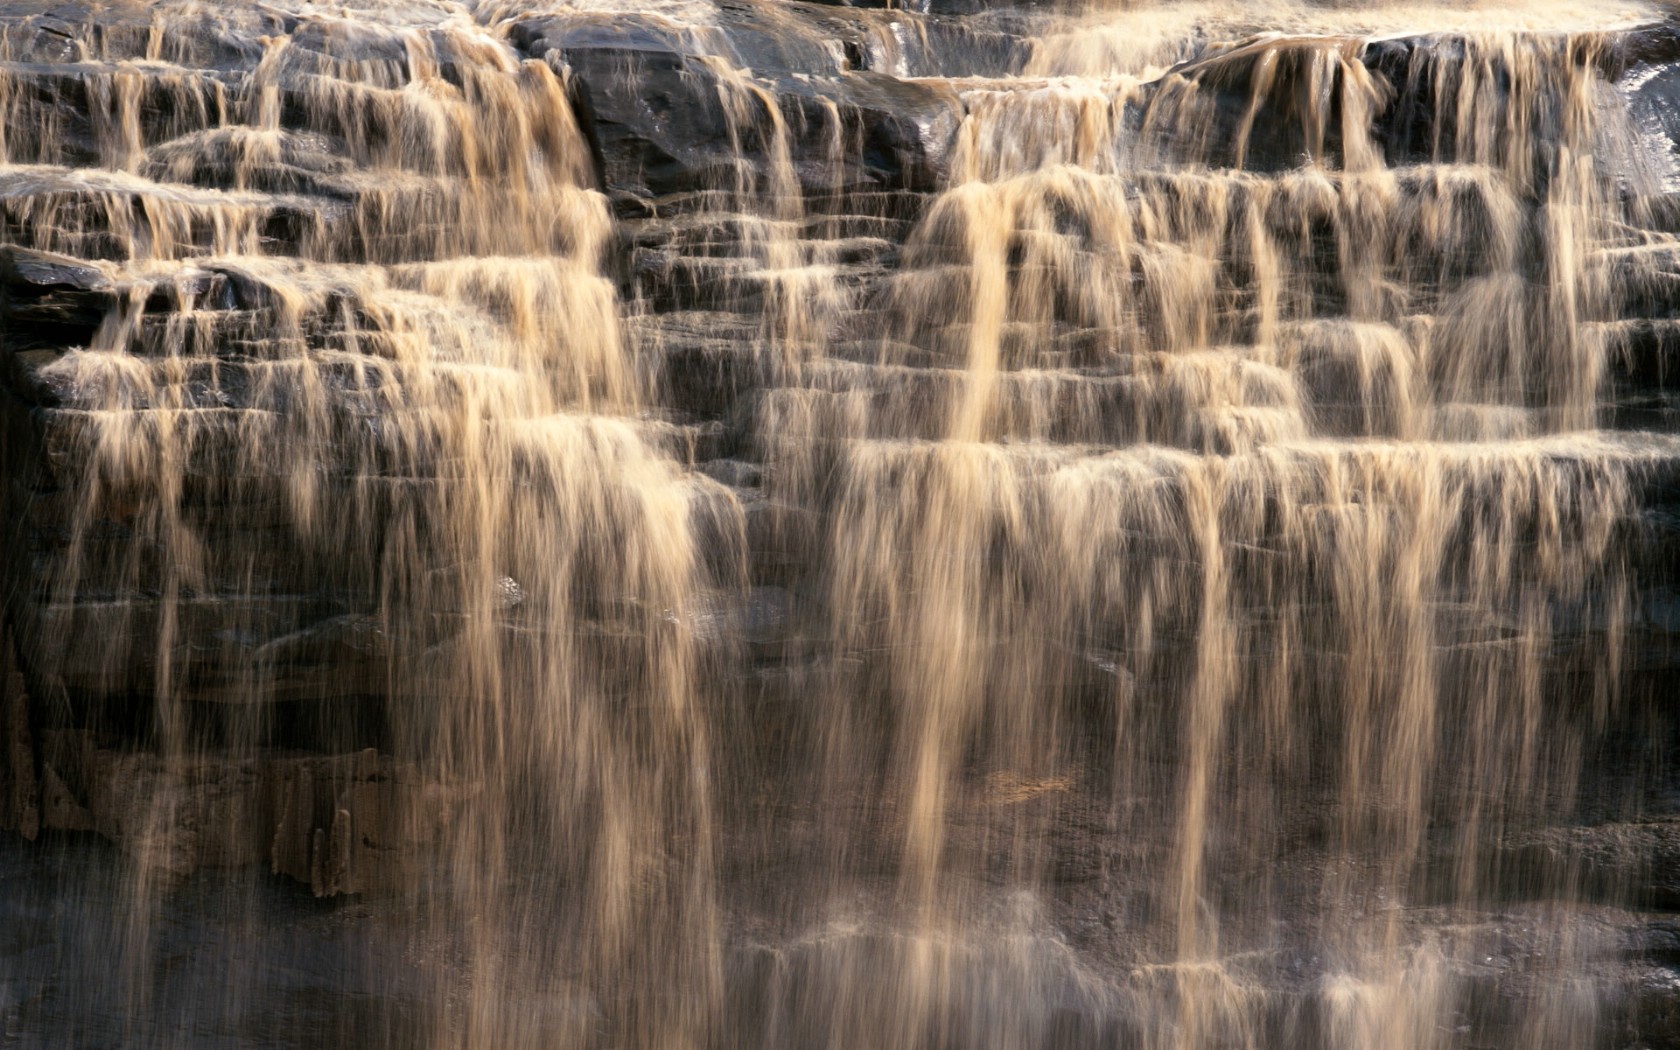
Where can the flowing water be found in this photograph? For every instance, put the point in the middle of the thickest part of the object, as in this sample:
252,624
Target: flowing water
1167,600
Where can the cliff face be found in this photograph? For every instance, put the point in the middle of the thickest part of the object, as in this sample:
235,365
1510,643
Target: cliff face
874,503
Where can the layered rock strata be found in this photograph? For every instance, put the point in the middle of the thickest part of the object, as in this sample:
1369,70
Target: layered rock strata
877,504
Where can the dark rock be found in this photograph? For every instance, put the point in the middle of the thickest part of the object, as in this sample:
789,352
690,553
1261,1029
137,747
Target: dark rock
48,303
1250,106
900,131
355,823
655,95
1621,864
659,124
708,360
782,540
1645,46
20,791
343,824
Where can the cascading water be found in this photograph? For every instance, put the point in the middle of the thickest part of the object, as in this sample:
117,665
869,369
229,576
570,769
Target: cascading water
762,524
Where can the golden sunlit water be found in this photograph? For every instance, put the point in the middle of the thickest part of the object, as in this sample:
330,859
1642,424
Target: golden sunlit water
1157,606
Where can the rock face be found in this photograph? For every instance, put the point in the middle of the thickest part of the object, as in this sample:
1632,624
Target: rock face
869,524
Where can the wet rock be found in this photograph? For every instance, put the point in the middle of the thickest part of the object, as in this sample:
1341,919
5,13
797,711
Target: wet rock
736,473
355,823
950,7
287,162
49,301
1247,105
1621,864
341,824
253,649
1643,46
1416,119
898,132
782,539
20,788
709,361
658,99
657,121
1651,1007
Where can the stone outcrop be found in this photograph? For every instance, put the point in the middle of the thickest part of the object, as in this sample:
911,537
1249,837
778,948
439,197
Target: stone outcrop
352,823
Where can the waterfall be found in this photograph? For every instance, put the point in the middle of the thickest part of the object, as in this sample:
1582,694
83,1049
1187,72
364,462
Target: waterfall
767,524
